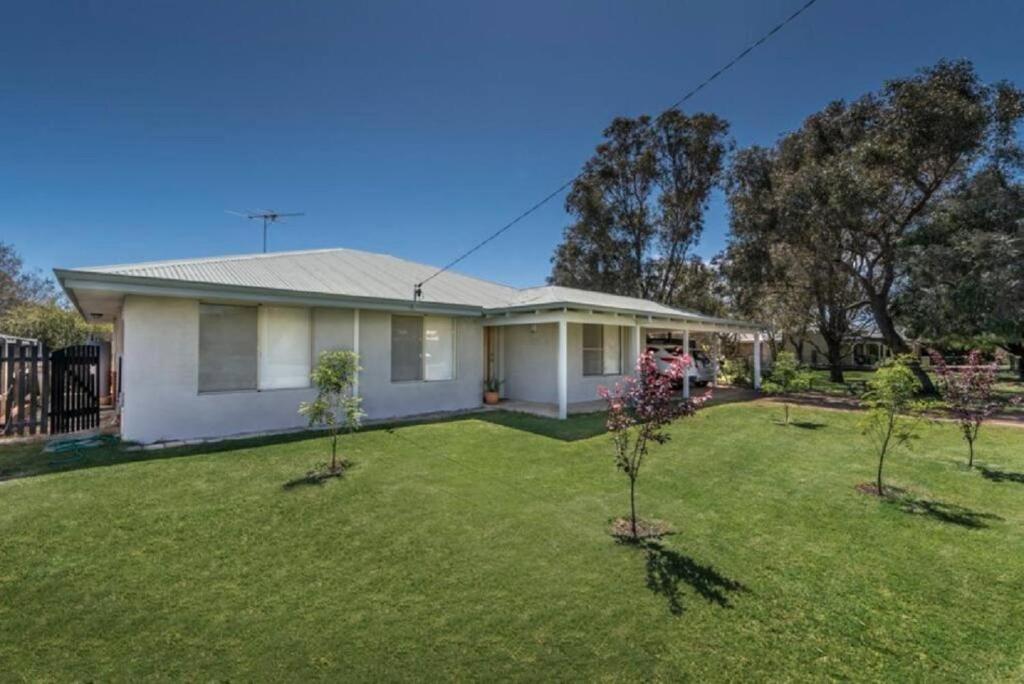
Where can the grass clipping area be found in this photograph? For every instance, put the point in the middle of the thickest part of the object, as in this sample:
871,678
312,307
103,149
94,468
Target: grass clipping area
478,549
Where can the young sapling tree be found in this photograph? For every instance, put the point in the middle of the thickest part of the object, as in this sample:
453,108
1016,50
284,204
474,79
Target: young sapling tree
890,396
787,377
335,405
968,393
639,409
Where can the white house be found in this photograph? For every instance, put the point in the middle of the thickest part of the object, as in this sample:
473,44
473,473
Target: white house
223,346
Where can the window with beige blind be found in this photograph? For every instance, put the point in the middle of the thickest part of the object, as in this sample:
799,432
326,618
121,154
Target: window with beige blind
602,349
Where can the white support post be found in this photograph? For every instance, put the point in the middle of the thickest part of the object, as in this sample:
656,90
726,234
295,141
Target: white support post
686,374
637,349
757,360
563,369
355,348
716,355
499,336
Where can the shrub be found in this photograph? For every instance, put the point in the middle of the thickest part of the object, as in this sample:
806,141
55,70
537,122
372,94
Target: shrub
786,377
737,371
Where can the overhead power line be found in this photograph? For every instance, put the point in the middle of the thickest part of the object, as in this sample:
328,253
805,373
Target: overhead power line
418,288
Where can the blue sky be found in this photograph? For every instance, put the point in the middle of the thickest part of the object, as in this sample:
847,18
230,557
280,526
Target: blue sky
127,129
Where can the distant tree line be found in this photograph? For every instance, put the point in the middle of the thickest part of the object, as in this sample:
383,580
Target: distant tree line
901,210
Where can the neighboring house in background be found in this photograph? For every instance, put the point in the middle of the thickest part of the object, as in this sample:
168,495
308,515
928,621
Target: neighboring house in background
221,346
863,351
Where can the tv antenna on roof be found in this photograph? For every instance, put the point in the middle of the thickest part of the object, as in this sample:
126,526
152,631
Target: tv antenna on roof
268,216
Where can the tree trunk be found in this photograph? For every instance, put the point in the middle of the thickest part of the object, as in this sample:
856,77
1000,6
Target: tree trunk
886,326
786,406
632,506
881,455
334,450
835,359
878,480
970,453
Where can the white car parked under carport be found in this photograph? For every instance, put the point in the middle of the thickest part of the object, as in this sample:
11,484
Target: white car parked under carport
700,372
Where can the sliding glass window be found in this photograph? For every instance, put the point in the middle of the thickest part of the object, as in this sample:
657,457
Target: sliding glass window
422,348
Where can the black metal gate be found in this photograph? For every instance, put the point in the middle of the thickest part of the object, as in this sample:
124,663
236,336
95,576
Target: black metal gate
75,388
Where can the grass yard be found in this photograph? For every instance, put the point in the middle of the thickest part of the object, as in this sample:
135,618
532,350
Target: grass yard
477,549
1007,386
853,385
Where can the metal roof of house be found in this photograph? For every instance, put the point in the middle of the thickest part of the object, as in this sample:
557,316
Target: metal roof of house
349,273
346,272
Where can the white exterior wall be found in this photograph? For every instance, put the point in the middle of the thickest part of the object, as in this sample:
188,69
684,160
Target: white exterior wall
385,399
531,361
161,357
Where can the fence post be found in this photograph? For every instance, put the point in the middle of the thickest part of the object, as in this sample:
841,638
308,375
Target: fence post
44,387
9,399
33,389
22,387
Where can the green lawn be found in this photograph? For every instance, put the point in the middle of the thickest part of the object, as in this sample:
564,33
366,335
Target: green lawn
1007,386
477,549
854,382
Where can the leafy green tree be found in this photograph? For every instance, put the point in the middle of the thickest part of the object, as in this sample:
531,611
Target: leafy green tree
779,267
639,206
890,397
906,149
20,286
336,405
786,378
883,164
966,276
56,326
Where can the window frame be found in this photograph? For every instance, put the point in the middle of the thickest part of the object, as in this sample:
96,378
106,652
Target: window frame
199,351
423,359
602,327
259,349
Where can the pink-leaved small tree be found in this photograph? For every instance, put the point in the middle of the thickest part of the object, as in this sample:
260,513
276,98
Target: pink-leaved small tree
968,392
640,407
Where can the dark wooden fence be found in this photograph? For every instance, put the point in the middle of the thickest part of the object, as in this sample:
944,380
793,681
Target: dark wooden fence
24,386
75,388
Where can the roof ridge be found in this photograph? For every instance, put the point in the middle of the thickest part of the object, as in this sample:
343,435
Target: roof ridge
269,255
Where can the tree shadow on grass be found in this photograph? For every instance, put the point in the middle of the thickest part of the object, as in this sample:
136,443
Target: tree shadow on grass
941,511
1002,475
667,570
319,476
807,425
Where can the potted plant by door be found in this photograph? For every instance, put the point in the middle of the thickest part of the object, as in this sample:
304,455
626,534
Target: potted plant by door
492,387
